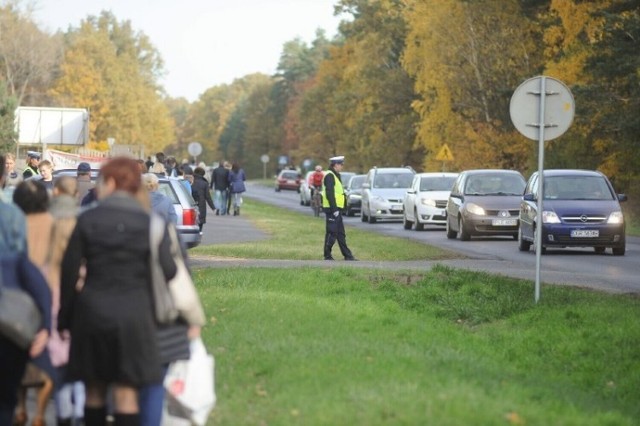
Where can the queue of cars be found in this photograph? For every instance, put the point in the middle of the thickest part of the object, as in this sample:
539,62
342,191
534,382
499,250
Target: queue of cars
580,207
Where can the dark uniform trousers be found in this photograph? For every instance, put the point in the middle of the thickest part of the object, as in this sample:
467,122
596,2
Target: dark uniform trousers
335,231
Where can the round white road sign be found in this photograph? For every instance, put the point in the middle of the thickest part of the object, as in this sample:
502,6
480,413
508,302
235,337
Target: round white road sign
194,149
559,108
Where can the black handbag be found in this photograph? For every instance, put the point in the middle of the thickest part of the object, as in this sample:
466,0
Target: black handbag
20,317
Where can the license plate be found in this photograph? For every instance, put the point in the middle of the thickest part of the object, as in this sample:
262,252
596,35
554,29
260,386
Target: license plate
504,222
395,207
585,233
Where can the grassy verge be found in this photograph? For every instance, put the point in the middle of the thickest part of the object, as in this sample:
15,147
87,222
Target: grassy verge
300,237
314,346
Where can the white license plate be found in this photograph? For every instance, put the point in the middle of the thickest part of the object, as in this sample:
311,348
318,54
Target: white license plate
395,207
584,233
504,222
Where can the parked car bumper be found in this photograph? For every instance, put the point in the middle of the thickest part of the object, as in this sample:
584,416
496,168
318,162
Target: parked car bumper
190,237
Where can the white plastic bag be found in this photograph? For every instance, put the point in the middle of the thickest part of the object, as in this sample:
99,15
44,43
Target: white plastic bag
190,387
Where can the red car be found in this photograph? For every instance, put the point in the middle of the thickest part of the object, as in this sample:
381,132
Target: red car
288,179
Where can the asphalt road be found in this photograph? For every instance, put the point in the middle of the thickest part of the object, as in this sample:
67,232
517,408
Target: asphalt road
576,267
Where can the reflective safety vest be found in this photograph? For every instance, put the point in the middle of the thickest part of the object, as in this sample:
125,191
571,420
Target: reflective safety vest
338,191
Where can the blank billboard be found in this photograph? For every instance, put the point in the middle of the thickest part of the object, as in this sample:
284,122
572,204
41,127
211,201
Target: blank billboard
52,126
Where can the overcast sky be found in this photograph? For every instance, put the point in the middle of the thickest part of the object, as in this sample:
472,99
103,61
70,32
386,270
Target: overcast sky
205,43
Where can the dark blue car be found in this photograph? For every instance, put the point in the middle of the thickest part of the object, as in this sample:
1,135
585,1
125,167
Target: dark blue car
580,209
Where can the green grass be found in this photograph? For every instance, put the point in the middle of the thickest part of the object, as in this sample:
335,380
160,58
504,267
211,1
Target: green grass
315,346
296,236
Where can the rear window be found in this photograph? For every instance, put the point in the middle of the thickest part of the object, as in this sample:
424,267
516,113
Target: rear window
165,188
356,182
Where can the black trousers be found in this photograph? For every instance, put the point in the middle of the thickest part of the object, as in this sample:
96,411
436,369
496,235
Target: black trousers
335,231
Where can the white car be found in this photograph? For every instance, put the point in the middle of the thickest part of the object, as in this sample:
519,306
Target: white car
305,190
426,200
382,193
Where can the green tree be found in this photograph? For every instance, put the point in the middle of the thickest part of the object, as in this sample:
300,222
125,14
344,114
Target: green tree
7,132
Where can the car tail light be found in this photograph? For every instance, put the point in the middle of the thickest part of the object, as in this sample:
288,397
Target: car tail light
189,217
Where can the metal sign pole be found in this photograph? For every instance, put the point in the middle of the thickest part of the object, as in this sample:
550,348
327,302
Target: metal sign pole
538,234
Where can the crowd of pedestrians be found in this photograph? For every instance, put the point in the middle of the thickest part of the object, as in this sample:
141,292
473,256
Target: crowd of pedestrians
80,250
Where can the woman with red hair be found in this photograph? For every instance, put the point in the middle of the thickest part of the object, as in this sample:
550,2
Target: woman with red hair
108,309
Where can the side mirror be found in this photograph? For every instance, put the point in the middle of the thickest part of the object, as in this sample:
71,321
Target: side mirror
528,197
366,186
622,197
411,191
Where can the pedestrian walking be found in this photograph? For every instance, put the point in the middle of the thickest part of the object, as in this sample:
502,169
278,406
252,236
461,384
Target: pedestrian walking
69,397
17,272
201,194
236,187
110,316
84,180
160,203
220,186
333,203
33,199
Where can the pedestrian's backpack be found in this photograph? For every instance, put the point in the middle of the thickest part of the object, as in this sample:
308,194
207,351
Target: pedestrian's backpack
317,179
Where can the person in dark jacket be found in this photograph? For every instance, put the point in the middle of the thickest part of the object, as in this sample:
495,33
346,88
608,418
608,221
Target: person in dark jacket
220,186
201,194
236,187
109,309
16,271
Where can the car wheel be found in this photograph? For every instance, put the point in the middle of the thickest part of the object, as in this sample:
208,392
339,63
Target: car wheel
522,244
543,249
277,189
619,251
406,224
451,234
599,250
371,218
363,217
419,226
464,235
302,203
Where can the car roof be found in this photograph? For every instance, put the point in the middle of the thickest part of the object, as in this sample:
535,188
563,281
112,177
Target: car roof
490,171
572,172
437,174
393,170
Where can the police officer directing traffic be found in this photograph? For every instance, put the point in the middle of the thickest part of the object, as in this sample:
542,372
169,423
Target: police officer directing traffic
33,159
333,203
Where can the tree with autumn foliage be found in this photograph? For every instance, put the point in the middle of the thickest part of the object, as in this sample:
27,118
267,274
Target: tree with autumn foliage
112,71
467,58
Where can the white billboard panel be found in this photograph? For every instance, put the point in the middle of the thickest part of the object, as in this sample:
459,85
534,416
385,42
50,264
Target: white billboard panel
52,126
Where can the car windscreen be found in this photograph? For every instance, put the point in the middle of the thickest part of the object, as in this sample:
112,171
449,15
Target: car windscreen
292,176
495,184
393,180
576,188
440,183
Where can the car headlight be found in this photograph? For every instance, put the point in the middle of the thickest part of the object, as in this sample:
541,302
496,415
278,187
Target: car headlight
428,202
616,218
355,196
550,217
475,209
